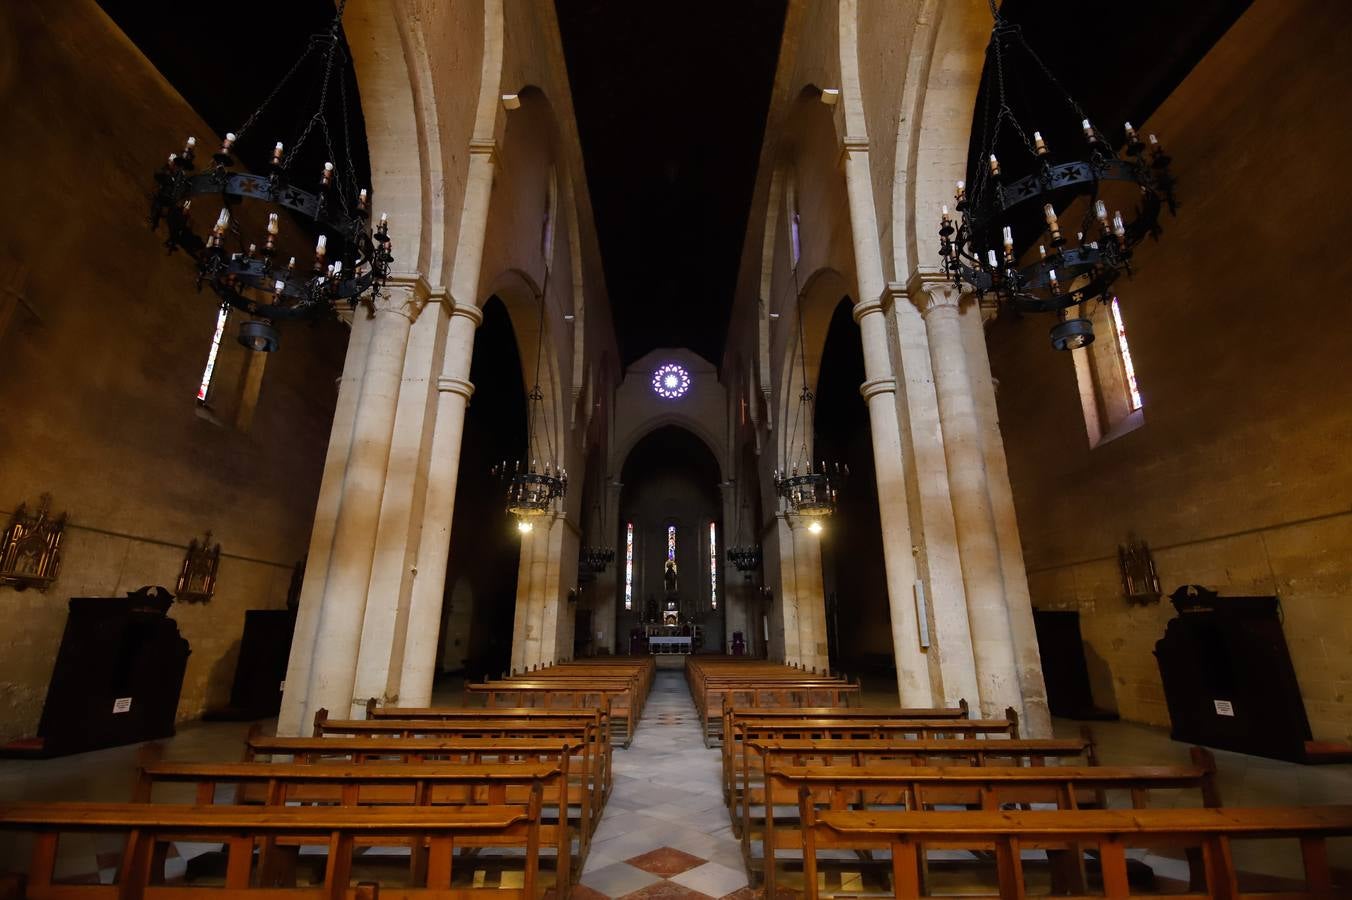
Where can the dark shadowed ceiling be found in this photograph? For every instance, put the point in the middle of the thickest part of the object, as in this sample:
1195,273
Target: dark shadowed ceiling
671,104
671,101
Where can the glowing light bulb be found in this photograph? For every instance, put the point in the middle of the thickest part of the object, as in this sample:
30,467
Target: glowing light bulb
815,528
523,526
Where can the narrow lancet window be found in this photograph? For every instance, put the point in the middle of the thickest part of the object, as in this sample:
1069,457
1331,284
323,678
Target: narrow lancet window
205,384
629,566
1128,369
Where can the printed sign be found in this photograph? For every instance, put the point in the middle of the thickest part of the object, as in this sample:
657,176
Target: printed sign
122,704
1224,707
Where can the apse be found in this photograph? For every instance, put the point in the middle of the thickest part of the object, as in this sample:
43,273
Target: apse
671,539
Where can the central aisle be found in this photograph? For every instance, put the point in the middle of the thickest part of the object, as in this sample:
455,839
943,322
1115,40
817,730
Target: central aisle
665,832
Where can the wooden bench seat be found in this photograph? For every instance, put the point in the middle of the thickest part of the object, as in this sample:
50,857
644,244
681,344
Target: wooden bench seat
242,828
747,786
809,789
732,716
1110,831
617,697
583,762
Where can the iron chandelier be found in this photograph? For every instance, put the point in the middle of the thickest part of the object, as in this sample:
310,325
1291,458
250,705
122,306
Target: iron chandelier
1069,200
240,256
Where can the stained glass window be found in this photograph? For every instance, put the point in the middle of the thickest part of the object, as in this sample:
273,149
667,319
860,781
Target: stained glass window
671,543
629,566
211,355
713,565
1128,369
671,381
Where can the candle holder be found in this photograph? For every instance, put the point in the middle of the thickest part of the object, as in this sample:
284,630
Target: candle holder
228,259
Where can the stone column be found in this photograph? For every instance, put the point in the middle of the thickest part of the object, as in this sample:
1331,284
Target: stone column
521,616
556,627
434,542
786,599
988,615
385,623
807,557
334,670
291,719
608,584
933,534
733,606
913,675
1037,720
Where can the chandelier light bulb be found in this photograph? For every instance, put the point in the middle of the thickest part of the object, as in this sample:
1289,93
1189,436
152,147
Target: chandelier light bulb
524,526
273,226
326,178
1101,212
1088,129
1008,236
277,154
189,145
995,165
990,258
361,199
1039,144
1131,133
815,527
322,246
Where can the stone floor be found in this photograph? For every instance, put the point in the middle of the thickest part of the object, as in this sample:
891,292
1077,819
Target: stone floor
665,832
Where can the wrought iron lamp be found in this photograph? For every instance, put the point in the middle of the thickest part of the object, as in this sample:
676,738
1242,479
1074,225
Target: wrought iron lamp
746,558
807,489
594,560
1085,244
239,256
535,483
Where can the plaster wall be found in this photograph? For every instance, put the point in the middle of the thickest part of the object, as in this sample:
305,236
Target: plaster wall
98,386
1240,478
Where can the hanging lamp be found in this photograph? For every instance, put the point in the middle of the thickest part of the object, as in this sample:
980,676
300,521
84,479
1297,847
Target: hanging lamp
1070,202
240,254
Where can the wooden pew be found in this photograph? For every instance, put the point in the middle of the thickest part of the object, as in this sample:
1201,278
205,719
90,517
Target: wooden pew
731,743
920,788
617,697
241,828
747,789
582,761
425,784
831,728
1111,831
448,724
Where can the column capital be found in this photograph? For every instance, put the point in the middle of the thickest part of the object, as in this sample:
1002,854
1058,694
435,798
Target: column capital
850,145
409,293
455,386
875,386
930,289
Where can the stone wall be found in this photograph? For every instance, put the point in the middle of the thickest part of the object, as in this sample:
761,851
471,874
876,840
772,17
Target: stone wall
1240,478
98,381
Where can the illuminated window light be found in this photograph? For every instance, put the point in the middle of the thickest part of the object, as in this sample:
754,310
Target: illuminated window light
629,566
1127,367
713,565
211,355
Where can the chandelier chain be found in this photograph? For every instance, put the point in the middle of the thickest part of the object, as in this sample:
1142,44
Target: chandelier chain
248,123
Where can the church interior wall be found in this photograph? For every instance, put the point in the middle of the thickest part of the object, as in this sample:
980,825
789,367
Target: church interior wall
98,382
1239,478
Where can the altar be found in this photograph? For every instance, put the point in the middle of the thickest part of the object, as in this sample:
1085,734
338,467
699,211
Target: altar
676,643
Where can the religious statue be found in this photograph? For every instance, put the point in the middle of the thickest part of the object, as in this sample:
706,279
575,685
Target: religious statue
669,577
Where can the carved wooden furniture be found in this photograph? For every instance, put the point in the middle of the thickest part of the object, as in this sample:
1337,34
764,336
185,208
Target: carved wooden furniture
118,674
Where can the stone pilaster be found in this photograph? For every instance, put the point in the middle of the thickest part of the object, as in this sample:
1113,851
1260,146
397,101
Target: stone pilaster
1036,717
385,622
333,672
934,538
291,719
453,391
979,552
